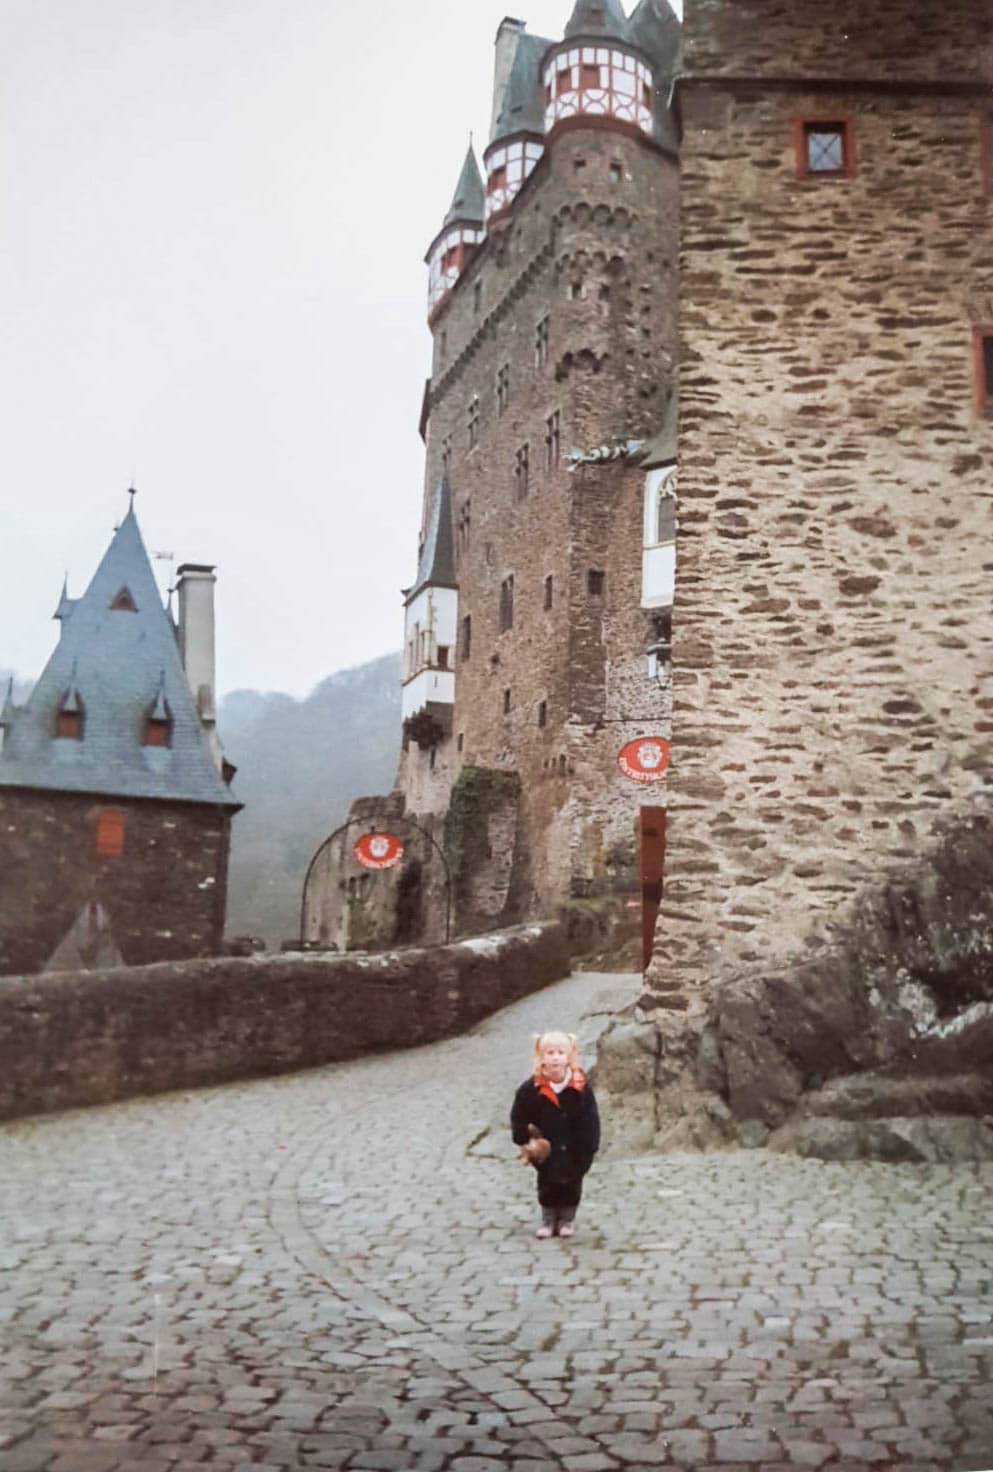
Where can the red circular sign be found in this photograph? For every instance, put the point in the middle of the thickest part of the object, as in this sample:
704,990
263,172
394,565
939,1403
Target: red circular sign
378,850
645,759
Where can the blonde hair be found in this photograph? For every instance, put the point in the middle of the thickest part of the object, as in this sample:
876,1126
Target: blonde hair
568,1041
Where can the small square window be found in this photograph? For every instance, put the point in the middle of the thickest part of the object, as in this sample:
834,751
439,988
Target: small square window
577,291
616,173
578,165
825,149
443,656
595,582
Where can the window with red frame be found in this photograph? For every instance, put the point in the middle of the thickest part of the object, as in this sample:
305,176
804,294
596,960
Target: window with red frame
984,368
498,178
110,833
589,74
825,148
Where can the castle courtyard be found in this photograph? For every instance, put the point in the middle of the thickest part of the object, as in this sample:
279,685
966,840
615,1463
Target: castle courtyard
337,1269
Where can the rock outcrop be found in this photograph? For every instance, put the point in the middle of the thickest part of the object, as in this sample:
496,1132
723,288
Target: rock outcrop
875,1040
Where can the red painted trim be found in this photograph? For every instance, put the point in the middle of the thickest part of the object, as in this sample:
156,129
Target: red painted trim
986,153
610,125
846,121
982,333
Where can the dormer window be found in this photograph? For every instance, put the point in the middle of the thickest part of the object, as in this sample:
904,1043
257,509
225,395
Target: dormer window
69,716
157,729
123,602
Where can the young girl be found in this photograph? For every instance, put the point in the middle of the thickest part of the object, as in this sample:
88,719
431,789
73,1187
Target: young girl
559,1103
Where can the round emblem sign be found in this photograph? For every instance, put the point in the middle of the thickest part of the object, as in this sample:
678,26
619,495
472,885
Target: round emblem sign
378,850
645,759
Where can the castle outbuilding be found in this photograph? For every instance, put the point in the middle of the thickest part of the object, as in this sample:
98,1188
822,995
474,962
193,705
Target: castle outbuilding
115,797
536,638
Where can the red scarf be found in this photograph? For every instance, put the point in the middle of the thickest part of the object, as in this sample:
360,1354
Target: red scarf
577,1082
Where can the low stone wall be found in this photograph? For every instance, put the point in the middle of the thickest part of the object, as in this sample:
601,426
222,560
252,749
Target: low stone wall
71,1039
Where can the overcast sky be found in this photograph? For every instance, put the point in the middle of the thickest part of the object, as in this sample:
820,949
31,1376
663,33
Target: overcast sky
214,214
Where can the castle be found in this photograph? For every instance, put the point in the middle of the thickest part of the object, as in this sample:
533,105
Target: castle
536,639
115,797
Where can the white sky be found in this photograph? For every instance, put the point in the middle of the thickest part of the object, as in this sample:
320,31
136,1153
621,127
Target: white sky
214,214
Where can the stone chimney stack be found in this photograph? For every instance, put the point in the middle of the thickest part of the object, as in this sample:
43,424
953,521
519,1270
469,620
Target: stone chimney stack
195,589
506,49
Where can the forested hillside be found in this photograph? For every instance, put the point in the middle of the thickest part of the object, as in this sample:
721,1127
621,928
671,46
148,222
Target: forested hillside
300,764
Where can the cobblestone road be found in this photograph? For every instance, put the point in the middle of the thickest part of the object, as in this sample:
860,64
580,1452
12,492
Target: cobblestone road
313,1272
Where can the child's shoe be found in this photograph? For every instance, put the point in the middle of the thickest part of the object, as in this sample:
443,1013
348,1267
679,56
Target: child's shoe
545,1230
567,1229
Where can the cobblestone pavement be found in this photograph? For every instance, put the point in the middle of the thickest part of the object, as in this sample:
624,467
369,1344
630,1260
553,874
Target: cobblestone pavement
316,1272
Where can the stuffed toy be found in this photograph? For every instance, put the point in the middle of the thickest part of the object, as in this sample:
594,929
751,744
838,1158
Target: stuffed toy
537,1149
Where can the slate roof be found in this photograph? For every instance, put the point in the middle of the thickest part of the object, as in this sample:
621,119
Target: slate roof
436,564
597,18
469,200
120,664
522,107
655,29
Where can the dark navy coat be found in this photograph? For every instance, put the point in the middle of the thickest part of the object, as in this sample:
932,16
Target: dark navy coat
569,1121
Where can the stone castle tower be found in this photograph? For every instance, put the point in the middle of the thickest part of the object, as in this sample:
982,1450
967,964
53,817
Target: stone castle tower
115,797
537,626
833,651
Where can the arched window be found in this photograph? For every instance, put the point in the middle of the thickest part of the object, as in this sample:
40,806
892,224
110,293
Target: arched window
110,833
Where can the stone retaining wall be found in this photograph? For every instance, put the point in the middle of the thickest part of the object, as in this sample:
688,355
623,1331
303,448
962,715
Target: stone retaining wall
72,1039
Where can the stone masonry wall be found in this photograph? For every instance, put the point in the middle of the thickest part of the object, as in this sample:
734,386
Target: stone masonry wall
594,254
165,895
833,654
68,1040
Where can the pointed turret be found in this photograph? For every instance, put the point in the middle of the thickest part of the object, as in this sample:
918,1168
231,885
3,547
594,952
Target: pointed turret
430,619
517,138
468,201
599,72
462,230
598,18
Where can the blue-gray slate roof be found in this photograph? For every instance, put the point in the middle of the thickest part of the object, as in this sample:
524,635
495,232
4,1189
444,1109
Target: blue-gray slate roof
597,18
655,29
436,564
522,107
469,201
120,664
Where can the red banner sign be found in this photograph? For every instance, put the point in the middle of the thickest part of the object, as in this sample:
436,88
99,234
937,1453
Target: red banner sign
378,850
645,759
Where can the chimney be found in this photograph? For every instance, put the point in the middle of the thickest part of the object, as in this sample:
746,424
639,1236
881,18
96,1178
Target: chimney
506,49
195,588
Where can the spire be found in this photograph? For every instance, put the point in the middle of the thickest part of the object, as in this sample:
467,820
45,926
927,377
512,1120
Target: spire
469,201
597,18
66,604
